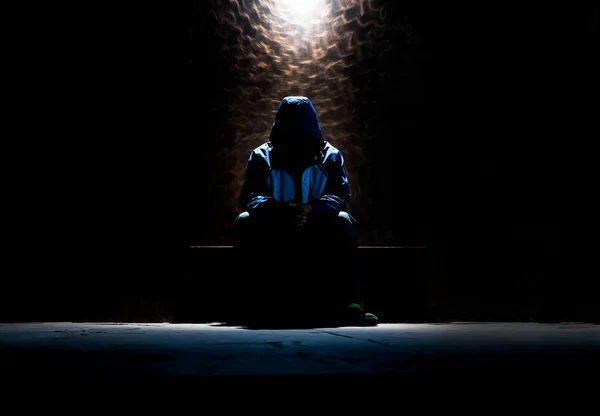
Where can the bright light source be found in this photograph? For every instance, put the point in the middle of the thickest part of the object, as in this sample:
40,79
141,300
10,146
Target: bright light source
302,12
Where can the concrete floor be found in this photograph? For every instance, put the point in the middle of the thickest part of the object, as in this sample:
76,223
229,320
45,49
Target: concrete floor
194,351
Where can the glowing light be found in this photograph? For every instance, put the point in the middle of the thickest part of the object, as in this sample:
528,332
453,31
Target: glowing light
303,13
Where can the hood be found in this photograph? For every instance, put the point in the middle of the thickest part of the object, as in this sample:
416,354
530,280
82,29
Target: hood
296,126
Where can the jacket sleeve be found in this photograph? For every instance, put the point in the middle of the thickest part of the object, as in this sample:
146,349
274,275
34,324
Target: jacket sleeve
337,190
255,196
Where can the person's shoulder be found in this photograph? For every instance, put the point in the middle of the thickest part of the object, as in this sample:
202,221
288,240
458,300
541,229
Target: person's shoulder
263,150
261,154
330,151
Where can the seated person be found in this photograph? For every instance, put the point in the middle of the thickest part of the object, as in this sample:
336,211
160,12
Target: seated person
295,237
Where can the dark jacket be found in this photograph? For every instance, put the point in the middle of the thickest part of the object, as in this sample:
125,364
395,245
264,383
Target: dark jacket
296,164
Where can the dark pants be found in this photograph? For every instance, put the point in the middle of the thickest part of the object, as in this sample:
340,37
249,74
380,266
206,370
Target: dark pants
315,264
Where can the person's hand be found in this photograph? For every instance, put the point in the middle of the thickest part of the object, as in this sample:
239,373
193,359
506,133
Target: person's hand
305,209
302,214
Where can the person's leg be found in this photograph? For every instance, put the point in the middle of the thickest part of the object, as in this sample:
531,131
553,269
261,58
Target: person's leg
344,235
335,273
248,284
331,252
261,271
241,231
351,285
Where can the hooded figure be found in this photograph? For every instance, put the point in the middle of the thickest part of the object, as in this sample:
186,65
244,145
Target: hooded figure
293,202
295,166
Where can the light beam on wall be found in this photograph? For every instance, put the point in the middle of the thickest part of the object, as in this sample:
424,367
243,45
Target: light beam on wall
278,48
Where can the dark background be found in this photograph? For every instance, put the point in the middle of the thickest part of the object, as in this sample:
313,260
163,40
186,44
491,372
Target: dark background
114,172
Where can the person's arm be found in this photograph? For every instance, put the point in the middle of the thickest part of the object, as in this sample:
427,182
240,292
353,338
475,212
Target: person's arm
337,190
255,196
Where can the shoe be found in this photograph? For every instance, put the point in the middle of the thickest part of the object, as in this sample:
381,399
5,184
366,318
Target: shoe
356,316
370,319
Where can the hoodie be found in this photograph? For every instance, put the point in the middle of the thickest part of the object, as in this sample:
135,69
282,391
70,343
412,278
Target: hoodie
296,164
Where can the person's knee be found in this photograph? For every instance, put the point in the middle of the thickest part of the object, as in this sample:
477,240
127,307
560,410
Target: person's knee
241,229
242,219
346,219
345,226
242,222
346,222
252,231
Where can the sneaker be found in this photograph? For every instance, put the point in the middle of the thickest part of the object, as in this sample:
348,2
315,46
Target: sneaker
370,319
356,316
